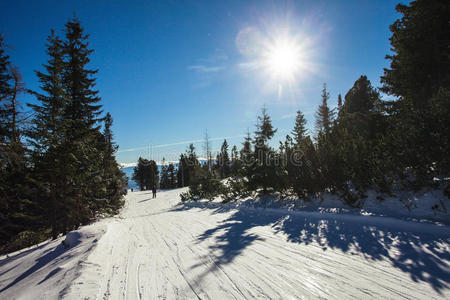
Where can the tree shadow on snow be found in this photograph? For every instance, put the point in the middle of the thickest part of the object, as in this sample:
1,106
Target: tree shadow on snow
421,250
49,257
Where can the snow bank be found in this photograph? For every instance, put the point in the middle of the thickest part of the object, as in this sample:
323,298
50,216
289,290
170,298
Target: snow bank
46,270
423,206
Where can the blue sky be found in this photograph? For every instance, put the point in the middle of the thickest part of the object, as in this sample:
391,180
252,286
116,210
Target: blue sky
169,70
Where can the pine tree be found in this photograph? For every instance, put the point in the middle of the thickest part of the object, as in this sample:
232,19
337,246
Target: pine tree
339,103
5,91
326,156
182,172
261,172
223,160
188,167
356,139
82,112
235,162
419,74
421,61
172,177
324,115
146,174
164,180
361,98
17,204
299,131
246,151
113,181
49,130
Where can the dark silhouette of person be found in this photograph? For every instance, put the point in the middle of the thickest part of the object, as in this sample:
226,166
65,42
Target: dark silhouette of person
154,191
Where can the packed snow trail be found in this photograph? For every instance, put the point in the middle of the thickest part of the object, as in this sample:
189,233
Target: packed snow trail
162,249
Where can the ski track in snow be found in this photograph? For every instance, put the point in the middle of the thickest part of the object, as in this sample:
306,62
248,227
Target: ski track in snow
162,249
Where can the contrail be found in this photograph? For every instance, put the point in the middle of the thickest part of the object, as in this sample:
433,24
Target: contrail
179,143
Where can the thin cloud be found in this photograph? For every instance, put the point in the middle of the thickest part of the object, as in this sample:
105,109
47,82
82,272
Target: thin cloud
179,143
206,69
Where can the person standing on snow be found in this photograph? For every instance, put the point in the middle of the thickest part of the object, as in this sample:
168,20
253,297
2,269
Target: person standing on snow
154,191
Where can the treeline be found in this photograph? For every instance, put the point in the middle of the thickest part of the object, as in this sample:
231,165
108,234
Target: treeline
363,143
57,163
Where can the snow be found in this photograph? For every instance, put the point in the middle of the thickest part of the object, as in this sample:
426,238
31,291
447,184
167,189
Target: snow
161,248
45,271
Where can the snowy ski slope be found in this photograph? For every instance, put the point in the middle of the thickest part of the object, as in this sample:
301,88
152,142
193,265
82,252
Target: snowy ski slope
162,249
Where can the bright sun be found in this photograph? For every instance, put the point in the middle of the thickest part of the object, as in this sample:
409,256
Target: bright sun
283,59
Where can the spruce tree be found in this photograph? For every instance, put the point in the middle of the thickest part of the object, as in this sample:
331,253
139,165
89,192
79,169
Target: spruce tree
326,155
324,115
5,91
262,172
17,201
146,174
246,151
113,179
235,162
224,160
420,62
419,74
49,130
83,112
172,177
299,131
362,98
339,103
164,180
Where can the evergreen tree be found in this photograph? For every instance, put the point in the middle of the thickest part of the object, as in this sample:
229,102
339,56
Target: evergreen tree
113,179
326,155
82,112
261,172
362,98
172,177
17,202
223,161
419,75
324,115
339,103
48,132
420,62
357,139
246,151
5,91
146,174
188,167
300,162
164,180
299,131
182,172
235,162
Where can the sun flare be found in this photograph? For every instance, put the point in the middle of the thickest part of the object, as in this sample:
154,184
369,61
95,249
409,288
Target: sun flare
283,58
